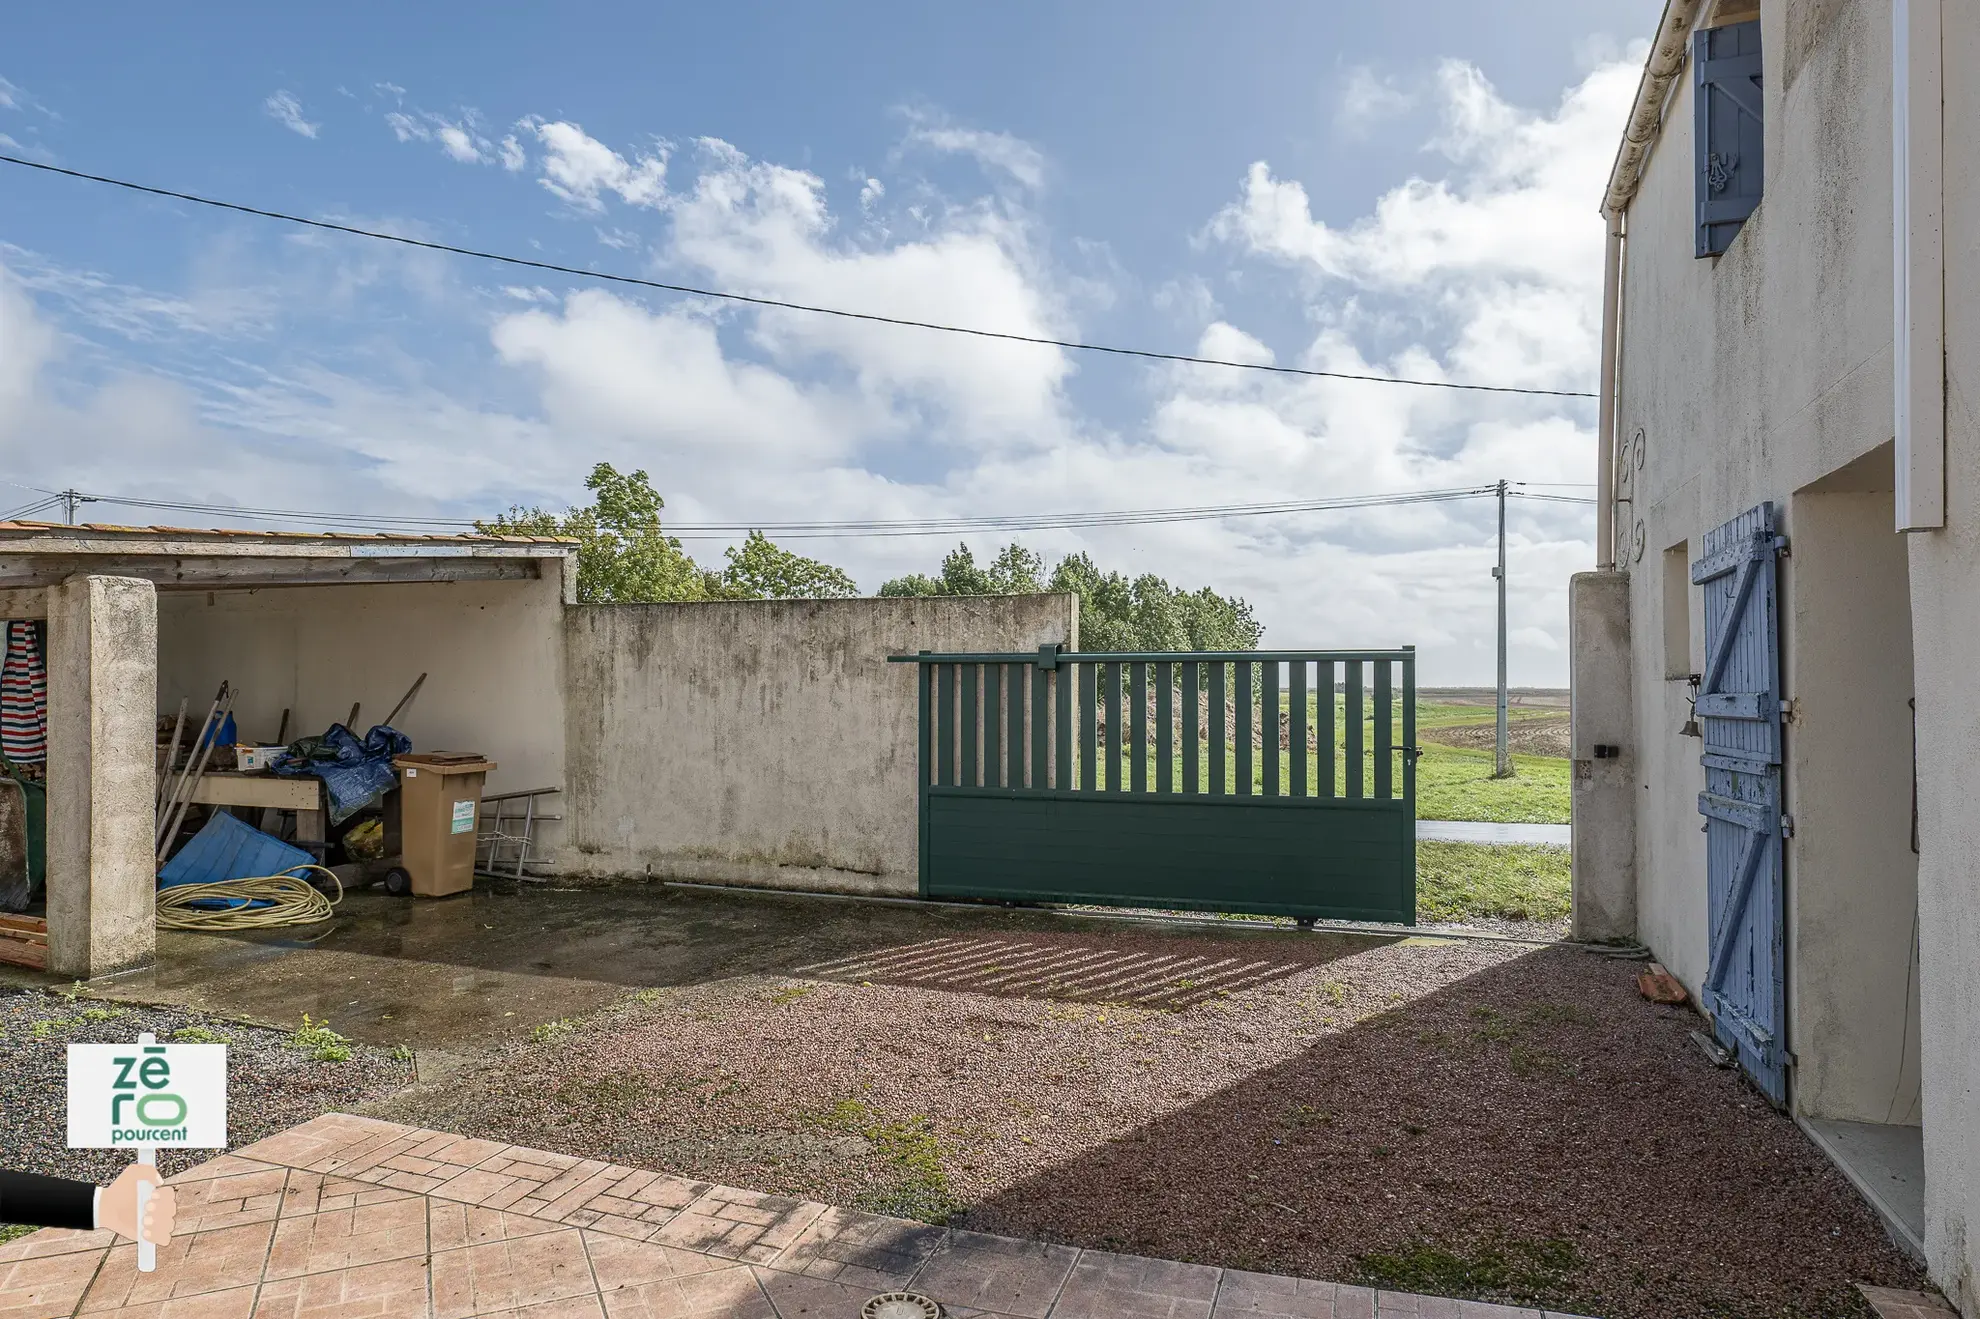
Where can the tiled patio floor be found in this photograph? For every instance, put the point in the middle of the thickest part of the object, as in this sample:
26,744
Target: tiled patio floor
347,1216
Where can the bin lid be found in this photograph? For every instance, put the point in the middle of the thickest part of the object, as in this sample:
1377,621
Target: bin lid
446,762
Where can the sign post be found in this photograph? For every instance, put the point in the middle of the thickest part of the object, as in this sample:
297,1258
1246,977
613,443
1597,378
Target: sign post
144,1097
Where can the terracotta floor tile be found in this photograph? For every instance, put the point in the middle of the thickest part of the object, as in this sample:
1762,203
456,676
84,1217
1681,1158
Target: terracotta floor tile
1106,1286
576,1307
1270,1296
223,1165
615,1224
664,1193
508,1275
233,1303
451,1226
798,1297
1481,1310
730,1293
252,1195
187,1266
314,1193
737,1224
469,1151
1354,1303
346,1238
54,1241
996,1273
1408,1305
44,1286
320,1138
396,1289
865,1250
1892,1304
617,1262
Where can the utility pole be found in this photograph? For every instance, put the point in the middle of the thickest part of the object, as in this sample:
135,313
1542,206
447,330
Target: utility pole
70,500
1503,767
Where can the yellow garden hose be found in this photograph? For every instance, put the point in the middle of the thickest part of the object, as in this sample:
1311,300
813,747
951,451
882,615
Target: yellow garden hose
291,900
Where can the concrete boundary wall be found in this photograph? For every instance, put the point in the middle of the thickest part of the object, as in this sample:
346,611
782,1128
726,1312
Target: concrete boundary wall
764,742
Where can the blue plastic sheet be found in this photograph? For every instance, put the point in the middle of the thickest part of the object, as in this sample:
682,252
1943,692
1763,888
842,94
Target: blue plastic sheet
225,848
355,773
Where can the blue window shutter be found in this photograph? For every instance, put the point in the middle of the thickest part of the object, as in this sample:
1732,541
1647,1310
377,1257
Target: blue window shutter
1726,135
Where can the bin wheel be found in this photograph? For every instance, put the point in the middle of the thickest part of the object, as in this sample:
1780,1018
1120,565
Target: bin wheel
397,882
1306,922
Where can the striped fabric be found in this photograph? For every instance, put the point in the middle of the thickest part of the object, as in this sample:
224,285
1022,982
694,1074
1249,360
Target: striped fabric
23,698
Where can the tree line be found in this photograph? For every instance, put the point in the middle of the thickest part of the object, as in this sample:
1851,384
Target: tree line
626,556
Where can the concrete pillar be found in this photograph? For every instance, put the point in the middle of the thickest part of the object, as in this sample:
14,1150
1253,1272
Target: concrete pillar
102,720
1604,794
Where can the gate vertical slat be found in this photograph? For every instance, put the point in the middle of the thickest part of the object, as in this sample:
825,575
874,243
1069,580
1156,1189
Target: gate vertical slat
1245,713
1324,703
1110,679
1014,720
967,715
1138,693
1192,731
1219,729
1062,723
993,726
945,725
1268,725
1165,727
1385,731
1354,762
1297,671
1409,779
1040,727
1089,742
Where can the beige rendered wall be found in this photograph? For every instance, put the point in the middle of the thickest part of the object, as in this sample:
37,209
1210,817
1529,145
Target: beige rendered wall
1945,606
493,654
1853,893
1603,801
765,742
1748,376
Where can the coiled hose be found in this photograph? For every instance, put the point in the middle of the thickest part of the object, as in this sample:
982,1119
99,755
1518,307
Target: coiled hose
284,899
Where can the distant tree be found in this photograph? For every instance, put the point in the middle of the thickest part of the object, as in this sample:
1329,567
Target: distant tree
759,569
625,557
1115,613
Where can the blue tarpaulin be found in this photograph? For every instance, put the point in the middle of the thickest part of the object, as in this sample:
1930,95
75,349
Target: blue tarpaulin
225,848
355,774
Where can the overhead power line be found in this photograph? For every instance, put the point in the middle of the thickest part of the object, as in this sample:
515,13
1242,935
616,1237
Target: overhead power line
1072,345
857,528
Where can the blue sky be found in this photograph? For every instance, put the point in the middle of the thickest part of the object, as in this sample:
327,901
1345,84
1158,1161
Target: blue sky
1386,188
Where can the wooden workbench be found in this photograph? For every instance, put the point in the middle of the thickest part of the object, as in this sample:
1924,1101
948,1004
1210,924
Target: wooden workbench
303,796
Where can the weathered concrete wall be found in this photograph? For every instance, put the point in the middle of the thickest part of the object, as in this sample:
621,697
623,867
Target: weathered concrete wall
1604,793
1853,896
493,653
102,644
765,742
1945,606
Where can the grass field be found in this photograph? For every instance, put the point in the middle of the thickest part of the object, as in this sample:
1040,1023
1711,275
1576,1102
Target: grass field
1465,881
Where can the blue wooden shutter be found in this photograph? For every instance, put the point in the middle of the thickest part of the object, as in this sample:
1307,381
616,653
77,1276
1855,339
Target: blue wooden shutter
1739,708
1726,135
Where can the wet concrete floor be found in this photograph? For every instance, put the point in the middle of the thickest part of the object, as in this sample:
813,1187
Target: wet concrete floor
461,973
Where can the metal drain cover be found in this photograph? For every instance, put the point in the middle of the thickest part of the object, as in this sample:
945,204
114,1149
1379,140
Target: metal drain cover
900,1305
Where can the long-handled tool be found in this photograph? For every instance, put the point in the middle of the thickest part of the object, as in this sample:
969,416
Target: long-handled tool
193,773
171,757
171,799
392,719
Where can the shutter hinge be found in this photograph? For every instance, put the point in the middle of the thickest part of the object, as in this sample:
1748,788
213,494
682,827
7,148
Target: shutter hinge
1789,708
1781,546
1788,1059
1787,824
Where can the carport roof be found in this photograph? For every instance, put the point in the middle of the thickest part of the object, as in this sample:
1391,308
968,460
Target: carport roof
40,554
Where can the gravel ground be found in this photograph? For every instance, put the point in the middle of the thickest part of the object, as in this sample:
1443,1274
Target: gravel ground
1465,1118
270,1086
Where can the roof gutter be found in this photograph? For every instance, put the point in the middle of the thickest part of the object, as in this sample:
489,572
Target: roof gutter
1646,119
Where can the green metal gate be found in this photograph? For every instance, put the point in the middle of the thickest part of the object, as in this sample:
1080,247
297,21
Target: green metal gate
1275,782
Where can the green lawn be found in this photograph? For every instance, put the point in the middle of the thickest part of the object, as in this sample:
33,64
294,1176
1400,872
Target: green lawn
1452,783
1460,881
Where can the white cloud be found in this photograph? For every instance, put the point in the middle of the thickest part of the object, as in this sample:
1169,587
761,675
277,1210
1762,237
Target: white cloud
870,194
582,170
456,137
287,111
10,95
995,151
511,154
1368,97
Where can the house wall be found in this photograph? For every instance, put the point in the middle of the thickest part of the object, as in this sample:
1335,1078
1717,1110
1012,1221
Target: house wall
1763,375
492,652
1945,605
1749,376
765,742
